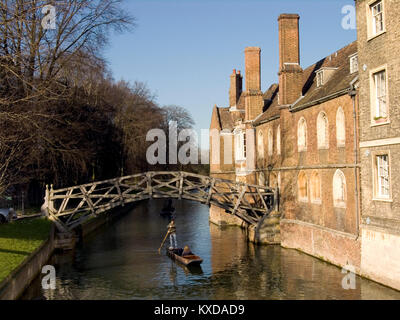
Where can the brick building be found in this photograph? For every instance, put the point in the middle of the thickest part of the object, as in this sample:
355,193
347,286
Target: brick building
326,136
379,60
304,141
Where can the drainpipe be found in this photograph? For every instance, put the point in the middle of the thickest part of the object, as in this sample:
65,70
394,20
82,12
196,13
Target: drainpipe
353,94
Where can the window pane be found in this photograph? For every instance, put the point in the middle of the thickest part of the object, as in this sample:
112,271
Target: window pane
302,134
380,91
340,127
354,64
322,131
302,183
316,187
377,17
260,145
339,188
383,176
244,145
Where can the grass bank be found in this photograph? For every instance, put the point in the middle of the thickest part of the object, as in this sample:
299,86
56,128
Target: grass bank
18,240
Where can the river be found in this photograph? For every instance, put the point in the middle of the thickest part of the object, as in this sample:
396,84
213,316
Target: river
120,261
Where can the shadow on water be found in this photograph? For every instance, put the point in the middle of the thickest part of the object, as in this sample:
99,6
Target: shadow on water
121,261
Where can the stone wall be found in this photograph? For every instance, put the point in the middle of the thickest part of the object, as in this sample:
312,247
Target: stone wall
336,247
380,229
266,232
380,256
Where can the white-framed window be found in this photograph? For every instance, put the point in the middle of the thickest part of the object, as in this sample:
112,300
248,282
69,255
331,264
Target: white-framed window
354,63
380,95
260,145
377,18
270,142
302,184
339,189
340,128
240,138
322,131
320,78
302,135
278,140
382,176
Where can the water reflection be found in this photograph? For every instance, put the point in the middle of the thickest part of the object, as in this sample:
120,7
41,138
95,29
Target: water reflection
121,261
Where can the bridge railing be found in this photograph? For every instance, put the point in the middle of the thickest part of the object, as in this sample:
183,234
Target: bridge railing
70,207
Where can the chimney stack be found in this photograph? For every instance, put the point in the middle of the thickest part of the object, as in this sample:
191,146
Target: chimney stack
253,69
253,96
236,88
290,71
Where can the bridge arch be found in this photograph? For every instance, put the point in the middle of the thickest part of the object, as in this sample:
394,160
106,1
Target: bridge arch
70,207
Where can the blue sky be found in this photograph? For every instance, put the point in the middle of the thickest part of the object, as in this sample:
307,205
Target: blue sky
185,50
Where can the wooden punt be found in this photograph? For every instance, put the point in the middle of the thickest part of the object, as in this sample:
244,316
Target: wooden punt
191,260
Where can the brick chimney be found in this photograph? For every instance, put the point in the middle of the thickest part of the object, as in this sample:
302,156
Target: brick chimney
253,96
236,88
290,71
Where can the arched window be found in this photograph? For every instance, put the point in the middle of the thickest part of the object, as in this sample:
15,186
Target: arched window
261,179
315,188
278,140
340,128
339,189
270,142
303,187
302,135
260,145
322,131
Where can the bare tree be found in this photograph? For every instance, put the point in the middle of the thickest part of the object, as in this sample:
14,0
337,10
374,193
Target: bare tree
178,114
53,115
36,61
137,113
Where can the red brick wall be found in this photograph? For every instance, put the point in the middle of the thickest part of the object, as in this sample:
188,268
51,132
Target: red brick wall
325,162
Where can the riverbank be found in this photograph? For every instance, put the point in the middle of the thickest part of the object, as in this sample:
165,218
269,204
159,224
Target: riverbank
27,245
18,240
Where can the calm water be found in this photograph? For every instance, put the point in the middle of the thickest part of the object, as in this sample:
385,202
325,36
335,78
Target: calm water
120,261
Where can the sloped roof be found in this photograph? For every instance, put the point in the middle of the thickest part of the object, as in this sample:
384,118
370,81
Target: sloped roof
338,82
226,119
271,109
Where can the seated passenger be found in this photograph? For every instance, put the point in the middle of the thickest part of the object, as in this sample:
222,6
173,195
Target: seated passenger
186,251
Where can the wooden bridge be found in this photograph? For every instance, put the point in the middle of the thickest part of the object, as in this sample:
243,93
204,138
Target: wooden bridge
70,207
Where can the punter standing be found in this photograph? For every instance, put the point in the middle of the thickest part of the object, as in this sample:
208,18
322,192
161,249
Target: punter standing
172,234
